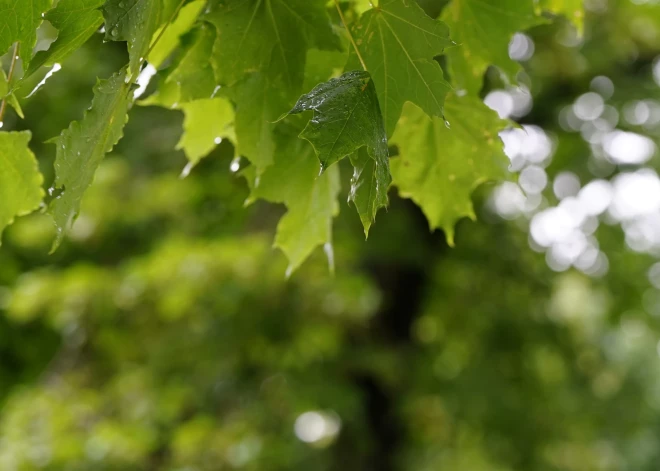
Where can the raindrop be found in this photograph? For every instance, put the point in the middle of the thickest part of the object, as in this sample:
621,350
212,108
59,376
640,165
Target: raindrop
217,140
1,124
447,124
114,32
121,4
235,165
56,68
186,170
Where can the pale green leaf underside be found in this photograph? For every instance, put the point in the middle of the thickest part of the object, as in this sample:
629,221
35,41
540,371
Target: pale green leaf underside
19,20
76,21
311,199
169,40
82,146
347,117
483,30
20,180
133,21
439,167
398,42
205,123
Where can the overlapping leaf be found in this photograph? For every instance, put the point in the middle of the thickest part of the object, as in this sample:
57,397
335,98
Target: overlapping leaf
369,185
271,36
20,180
82,146
76,21
439,167
311,199
346,118
483,28
260,54
398,42
133,21
19,20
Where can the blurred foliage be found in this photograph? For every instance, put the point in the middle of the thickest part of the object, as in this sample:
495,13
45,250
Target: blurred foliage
163,334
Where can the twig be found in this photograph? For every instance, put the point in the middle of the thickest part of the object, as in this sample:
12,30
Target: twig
343,20
12,67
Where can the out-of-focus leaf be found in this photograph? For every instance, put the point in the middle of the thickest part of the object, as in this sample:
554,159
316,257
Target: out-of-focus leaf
439,167
82,146
571,9
398,42
20,180
76,21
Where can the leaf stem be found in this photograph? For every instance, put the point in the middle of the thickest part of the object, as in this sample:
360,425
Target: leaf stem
12,67
350,36
162,31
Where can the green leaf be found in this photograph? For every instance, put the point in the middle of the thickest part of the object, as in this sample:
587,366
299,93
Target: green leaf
259,103
369,185
347,117
10,97
311,199
206,122
398,42
270,36
20,180
484,28
76,21
19,20
439,167
573,10
82,146
169,40
133,21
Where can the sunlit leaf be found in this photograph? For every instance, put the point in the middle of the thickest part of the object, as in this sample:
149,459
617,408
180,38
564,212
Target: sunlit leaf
439,167
398,42
20,180
82,146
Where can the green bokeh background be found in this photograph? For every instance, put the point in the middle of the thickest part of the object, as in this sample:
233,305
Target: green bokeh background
163,334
